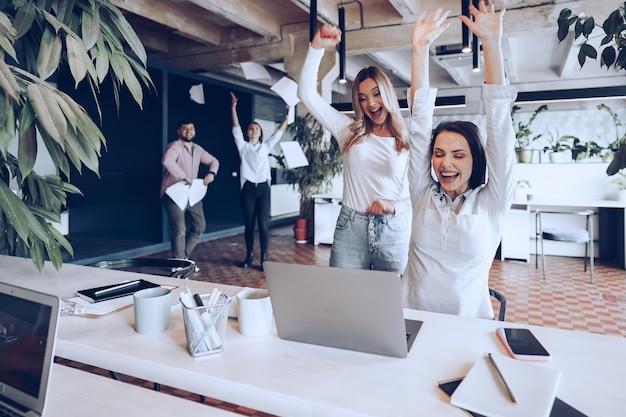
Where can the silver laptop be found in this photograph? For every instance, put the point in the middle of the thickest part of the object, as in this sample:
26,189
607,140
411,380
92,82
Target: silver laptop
353,309
28,327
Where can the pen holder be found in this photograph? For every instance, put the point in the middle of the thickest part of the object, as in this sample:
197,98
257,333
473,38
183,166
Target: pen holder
205,326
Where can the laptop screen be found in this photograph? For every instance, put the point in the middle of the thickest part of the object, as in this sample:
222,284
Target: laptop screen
28,323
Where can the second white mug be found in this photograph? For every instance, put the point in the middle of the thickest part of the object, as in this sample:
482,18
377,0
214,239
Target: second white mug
254,311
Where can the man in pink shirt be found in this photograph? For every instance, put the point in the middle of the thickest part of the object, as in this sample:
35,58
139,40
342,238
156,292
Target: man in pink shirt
181,162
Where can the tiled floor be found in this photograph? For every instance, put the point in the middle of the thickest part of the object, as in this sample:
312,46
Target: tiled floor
565,300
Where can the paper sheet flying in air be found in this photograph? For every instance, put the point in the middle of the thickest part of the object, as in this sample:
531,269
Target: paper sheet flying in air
182,194
287,89
196,93
294,156
254,71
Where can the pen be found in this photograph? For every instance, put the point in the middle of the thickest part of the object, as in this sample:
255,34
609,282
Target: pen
508,389
117,287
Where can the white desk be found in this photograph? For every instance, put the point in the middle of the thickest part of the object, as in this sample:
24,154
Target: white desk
75,393
293,379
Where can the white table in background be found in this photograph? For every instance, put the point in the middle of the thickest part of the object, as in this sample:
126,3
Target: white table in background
75,393
294,379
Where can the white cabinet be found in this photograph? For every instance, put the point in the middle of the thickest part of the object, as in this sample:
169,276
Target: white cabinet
515,238
325,213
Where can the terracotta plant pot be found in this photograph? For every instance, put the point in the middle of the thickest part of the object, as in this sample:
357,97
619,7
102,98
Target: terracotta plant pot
300,230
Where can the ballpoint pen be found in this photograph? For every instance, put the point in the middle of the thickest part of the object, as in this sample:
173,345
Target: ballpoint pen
117,287
508,389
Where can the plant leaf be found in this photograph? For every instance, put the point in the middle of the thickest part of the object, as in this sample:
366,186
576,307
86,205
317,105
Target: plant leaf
90,28
49,114
608,56
19,216
8,81
7,129
24,18
49,55
128,33
27,151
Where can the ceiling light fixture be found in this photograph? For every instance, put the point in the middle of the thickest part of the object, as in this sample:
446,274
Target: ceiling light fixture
312,19
465,32
475,47
342,45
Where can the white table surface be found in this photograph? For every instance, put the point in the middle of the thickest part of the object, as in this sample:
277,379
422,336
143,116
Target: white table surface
295,379
75,393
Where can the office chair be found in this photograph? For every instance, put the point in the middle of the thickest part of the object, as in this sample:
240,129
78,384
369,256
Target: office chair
171,267
565,235
502,300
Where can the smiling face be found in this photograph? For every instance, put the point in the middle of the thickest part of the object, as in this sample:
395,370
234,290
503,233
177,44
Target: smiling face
187,132
371,102
452,162
254,133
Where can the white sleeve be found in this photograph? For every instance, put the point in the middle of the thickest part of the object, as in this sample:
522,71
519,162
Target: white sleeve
329,117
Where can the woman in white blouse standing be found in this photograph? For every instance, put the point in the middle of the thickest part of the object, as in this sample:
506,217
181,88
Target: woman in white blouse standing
372,231
457,218
255,178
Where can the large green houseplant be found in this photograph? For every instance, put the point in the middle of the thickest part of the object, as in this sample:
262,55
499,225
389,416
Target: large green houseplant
37,38
324,158
613,54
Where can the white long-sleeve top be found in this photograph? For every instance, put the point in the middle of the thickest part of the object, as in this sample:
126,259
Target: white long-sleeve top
453,243
255,166
372,169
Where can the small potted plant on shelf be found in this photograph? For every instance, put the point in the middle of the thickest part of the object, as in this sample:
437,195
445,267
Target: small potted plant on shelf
560,147
524,136
524,191
619,179
589,150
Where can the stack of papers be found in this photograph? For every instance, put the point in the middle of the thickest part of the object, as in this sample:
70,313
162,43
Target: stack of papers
181,193
482,391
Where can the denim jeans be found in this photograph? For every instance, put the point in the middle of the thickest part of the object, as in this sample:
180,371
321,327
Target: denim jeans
255,205
370,241
184,238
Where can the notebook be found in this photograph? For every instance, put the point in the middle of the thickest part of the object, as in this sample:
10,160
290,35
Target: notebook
533,385
353,309
28,327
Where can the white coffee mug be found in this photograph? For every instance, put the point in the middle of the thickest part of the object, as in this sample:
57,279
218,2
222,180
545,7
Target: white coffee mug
152,310
254,312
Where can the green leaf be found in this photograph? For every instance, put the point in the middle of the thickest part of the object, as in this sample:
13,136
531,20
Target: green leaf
6,45
49,114
608,57
8,82
128,33
563,30
49,56
7,129
18,215
588,26
27,151
90,28
77,59
24,18
56,153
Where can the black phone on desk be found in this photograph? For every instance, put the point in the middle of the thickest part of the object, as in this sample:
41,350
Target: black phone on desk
559,409
522,344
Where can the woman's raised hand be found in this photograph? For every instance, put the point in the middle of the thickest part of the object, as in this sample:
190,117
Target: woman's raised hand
428,27
328,36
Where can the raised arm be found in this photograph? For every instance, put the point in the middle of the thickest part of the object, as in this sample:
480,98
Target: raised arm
427,28
233,108
487,25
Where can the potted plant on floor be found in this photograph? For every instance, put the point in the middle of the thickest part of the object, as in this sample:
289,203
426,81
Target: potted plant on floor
524,136
324,157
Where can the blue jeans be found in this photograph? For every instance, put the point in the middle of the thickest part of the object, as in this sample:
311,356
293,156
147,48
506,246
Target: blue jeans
370,241
255,204
184,238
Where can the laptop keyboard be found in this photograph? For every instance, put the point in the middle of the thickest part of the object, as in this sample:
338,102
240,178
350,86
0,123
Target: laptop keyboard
6,412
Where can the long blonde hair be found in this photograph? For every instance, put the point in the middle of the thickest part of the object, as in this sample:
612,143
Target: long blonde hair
362,126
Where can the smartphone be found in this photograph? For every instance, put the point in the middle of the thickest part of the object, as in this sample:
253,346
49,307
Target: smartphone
522,344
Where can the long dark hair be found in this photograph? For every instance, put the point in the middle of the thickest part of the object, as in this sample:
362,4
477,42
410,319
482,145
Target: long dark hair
471,133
